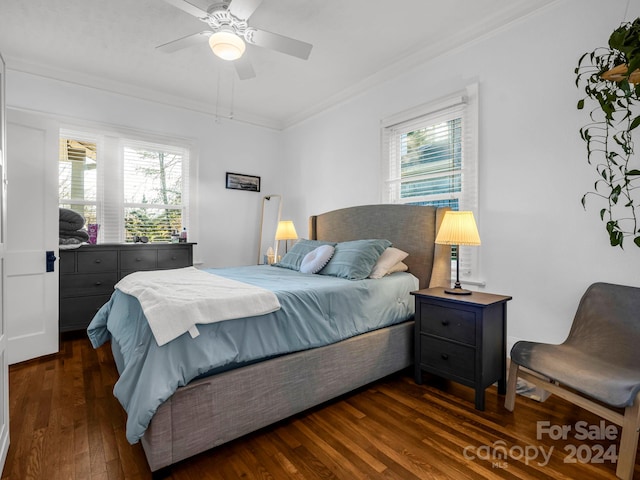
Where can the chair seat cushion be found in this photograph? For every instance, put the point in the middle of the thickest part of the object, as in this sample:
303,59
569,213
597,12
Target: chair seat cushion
614,384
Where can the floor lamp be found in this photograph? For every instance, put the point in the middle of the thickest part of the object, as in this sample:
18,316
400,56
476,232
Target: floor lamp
458,228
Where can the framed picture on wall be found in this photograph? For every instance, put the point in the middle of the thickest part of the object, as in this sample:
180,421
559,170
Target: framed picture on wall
239,181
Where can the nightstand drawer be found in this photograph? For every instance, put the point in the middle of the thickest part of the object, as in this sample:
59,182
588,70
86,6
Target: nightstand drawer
90,262
450,323
447,358
88,284
173,258
138,259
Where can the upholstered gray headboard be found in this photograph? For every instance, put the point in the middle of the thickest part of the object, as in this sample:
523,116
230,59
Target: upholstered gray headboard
410,228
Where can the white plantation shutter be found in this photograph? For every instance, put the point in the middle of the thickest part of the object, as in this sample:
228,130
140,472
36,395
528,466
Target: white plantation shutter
154,193
131,188
430,158
78,173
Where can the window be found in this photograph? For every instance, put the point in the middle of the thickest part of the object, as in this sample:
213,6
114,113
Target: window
77,177
153,185
130,188
429,158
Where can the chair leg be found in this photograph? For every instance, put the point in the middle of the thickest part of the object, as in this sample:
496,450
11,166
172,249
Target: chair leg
510,399
629,441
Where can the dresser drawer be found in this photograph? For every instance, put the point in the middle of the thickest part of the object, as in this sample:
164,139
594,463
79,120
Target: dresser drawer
173,258
87,284
138,259
77,313
67,262
446,358
450,323
104,261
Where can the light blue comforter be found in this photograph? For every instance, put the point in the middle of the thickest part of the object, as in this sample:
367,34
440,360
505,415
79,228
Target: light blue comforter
316,310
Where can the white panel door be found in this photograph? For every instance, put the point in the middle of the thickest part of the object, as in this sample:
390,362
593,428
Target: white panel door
4,369
31,302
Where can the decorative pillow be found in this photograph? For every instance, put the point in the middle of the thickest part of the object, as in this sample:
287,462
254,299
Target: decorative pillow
316,259
293,258
354,260
398,267
390,257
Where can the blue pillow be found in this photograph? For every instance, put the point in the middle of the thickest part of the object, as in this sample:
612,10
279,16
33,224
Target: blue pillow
354,260
293,258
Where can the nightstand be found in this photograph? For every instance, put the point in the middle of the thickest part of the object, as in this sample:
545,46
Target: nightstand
462,338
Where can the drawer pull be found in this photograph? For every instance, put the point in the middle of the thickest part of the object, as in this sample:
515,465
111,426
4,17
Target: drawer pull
98,260
173,258
138,259
98,284
444,356
445,322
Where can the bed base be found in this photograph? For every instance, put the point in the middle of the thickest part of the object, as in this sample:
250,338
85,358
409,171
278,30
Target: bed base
214,410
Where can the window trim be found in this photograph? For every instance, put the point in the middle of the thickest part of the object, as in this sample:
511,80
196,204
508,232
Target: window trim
467,101
111,141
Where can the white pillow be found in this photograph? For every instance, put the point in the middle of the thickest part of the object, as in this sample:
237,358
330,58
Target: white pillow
389,258
315,260
398,267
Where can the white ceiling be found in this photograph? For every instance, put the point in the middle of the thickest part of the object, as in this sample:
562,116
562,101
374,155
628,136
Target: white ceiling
110,44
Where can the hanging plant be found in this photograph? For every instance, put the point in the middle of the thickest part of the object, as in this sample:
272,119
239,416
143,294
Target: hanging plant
611,78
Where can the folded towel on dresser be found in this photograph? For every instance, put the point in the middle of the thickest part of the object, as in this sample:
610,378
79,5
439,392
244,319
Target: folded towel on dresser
81,235
70,220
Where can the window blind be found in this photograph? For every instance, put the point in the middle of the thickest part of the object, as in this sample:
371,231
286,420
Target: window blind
430,158
154,178
131,188
77,175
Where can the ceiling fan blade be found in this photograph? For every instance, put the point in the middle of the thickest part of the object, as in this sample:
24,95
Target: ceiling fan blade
185,42
244,69
280,43
243,9
188,7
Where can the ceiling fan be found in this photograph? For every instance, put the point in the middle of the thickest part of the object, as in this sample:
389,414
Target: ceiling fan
229,31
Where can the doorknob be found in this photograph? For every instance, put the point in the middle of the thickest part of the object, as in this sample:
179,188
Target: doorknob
51,258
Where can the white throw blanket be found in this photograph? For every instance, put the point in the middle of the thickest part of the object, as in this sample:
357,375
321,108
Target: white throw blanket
174,301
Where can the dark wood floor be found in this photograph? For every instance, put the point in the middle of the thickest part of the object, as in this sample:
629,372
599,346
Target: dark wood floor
65,424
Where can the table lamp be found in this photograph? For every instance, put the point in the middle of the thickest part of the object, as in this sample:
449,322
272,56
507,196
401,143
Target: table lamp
286,231
458,228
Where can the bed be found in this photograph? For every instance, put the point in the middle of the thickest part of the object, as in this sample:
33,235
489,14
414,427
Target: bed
231,400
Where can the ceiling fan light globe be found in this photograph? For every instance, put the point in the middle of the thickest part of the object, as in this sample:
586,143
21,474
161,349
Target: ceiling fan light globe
227,45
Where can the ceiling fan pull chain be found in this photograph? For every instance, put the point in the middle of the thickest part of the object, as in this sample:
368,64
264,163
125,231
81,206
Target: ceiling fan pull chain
217,96
233,92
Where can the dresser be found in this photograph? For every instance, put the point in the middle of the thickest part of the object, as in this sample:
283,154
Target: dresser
462,338
88,274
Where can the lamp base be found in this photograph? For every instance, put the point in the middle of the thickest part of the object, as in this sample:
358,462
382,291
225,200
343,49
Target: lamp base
457,290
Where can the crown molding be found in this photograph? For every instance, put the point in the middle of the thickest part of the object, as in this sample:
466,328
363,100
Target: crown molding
128,90
499,22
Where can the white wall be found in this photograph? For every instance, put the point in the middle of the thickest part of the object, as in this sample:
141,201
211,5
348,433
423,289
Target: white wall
228,220
539,245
